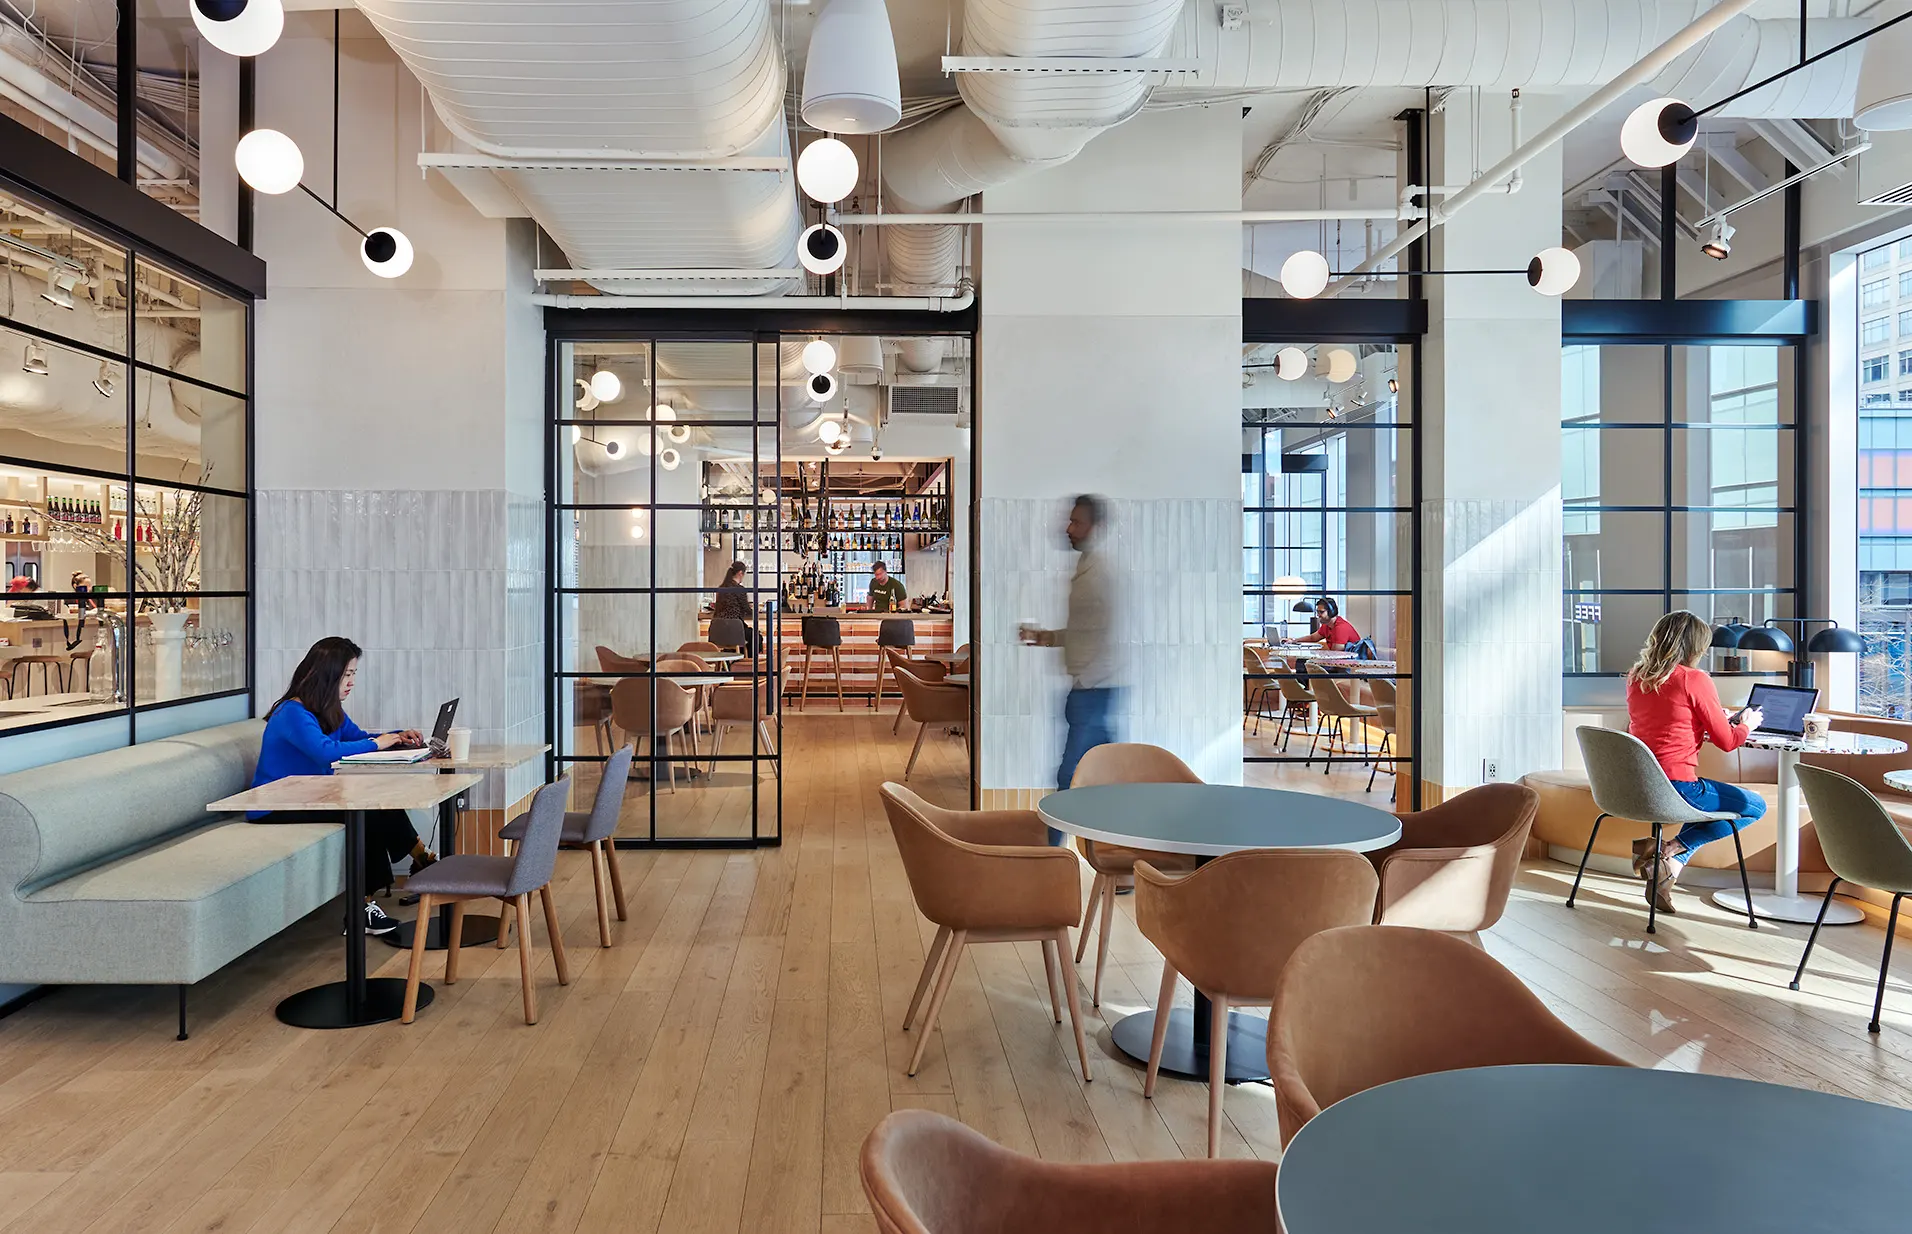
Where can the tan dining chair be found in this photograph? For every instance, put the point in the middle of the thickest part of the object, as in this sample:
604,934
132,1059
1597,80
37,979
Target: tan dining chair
1255,685
742,705
690,663
700,645
932,671
931,703
985,877
959,659
926,1173
1863,846
631,714
1121,762
1387,719
1367,1005
593,831
1231,925
1455,863
460,878
611,662
1297,701
1341,719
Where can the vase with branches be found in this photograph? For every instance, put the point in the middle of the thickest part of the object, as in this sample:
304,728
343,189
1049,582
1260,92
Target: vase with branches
166,566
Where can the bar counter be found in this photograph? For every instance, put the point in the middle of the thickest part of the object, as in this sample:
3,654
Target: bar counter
859,652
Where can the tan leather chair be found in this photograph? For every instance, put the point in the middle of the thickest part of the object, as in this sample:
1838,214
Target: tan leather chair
631,712
1297,700
699,645
1341,718
1367,1005
1122,762
1455,864
611,662
1386,718
931,671
984,877
926,1173
1231,925
929,703
736,706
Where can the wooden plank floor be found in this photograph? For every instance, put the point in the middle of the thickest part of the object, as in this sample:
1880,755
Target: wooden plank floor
717,1069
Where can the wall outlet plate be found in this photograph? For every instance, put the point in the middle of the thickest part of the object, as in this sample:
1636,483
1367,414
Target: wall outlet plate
1490,771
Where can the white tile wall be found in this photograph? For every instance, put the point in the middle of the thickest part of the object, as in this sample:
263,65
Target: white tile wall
1180,564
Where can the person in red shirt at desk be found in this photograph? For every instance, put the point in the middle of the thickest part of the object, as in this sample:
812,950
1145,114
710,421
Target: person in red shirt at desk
1332,630
1672,708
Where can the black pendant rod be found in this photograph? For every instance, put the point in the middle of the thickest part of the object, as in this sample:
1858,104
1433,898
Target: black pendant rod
1834,50
332,210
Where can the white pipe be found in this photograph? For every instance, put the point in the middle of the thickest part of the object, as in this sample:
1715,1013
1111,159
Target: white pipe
30,87
1112,216
929,304
1851,152
666,272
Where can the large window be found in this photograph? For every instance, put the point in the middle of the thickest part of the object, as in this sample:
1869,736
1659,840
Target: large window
1885,508
1874,369
1874,332
1875,294
1678,480
124,424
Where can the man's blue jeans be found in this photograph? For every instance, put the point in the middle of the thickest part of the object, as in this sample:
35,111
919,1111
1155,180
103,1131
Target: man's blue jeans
1087,714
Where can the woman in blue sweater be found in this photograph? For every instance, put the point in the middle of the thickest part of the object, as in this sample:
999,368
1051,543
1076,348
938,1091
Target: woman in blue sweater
307,731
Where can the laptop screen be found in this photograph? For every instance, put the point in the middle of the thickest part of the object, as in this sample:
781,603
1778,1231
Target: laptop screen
1785,708
446,714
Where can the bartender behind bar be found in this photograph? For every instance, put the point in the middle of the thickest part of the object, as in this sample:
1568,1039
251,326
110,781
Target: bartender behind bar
886,594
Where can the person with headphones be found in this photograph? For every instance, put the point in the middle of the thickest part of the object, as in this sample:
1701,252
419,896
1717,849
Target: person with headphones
1332,630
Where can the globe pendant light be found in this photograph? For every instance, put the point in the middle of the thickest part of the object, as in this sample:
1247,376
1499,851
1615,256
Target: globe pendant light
827,170
1658,132
269,161
1291,364
1338,365
606,385
828,431
818,356
821,249
822,387
668,459
1305,274
850,83
239,27
1553,272
386,252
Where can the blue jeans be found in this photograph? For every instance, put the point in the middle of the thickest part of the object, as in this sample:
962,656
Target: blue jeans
1711,795
1087,714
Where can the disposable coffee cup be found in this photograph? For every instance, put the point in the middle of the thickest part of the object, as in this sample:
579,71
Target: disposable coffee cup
459,739
1818,727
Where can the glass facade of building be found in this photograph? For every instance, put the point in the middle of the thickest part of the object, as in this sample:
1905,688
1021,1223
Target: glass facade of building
1885,478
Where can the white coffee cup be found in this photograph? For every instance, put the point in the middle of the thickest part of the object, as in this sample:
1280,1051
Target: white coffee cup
1818,726
459,739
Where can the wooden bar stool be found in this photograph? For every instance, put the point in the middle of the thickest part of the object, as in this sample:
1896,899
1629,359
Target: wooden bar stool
898,632
77,660
48,664
822,634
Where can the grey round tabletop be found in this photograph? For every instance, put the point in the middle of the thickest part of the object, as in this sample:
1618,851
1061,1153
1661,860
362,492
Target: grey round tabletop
1833,743
1901,780
1593,1150
1210,820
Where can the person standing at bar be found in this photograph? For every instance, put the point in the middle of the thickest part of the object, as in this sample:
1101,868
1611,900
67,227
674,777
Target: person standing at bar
1088,644
886,594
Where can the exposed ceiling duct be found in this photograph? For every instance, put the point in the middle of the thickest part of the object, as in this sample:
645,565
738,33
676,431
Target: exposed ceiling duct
643,136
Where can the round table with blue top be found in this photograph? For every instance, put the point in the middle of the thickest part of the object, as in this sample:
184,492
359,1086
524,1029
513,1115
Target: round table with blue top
1593,1150
1211,820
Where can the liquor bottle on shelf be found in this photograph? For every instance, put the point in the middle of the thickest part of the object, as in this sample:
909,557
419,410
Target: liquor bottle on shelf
9,524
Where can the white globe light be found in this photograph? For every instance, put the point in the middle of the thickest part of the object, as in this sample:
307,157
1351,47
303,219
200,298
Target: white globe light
821,249
637,531
269,161
822,387
607,387
577,433
663,413
239,27
1658,132
1339,364
827,170
828,431
818,356
386,252
1553,272
850,82
679,433
668,459
1291,363
646,443
1305,274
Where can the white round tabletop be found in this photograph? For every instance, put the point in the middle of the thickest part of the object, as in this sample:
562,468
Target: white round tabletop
1210,820
1831,743
690,682
1901,780
1583,1150
953,679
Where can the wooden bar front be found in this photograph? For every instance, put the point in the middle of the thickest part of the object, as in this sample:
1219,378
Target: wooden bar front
859,653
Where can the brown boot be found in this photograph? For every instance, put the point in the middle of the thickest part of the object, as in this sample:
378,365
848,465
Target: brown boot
1643,851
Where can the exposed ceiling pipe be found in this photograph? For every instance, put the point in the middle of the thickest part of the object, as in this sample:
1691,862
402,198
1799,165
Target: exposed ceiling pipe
25,82
928,304
980,217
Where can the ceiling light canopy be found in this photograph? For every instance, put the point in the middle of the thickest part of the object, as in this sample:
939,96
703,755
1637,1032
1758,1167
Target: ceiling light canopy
269,161
1305,274
818,356
827,170
850,83
239,27
1553,272
1291,364
386,252
606,386
1658,132
821,249
1719,245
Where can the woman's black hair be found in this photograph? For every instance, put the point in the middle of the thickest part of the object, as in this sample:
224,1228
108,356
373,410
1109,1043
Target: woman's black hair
1334,610
315,683
736,571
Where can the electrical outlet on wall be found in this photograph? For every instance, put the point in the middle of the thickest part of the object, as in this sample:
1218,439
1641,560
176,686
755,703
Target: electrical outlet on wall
1490,771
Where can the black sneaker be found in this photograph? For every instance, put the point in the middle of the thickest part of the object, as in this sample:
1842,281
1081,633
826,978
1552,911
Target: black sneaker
376,922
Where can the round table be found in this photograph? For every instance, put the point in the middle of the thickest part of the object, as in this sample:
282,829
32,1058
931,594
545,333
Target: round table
1783,902
1585,1150
954,679
1899,780
1211,820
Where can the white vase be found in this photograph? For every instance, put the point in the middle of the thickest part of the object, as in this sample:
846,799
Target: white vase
169,646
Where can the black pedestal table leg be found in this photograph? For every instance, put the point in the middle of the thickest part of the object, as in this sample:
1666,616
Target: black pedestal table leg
447,844
355,914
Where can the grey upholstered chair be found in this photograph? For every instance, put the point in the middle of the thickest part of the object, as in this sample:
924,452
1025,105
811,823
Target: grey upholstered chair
1340,718
592,832
1628,782
1862,845
462,877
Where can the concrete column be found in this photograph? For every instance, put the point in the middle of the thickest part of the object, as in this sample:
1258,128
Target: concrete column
1491,642
1109,362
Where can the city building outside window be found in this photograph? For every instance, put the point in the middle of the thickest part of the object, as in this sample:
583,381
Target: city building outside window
1905,324
1876,258
1885,501
1876,294
1874,332
1873,368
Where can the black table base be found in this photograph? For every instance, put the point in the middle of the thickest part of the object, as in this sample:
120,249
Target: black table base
479,931
330,1006
1186,1056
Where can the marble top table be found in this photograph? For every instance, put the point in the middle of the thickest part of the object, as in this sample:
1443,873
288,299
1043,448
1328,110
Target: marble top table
1783,902
1211,820
1899,780
953,679
356,1001
1508,1150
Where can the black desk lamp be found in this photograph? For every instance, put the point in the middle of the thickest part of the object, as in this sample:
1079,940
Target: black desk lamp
1727,638
1834,639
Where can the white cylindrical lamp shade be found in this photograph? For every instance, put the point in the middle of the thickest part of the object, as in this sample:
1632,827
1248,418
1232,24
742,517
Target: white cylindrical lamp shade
850,82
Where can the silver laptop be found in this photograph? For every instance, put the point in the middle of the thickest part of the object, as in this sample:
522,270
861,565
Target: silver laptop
435,747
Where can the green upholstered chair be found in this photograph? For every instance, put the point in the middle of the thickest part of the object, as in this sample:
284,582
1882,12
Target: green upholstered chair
1862,845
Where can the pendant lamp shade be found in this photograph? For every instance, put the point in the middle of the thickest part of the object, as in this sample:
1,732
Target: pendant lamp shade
1728,636
1884,99
1305,274
1553,272
822,387
1766,638
1836,640
850,83
1291,364
1290,583
862,357
1658,132
386,252
239,27
1337,365
269,161
821,249
819,356
827,170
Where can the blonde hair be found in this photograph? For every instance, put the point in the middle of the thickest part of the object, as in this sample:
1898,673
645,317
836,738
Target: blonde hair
1678,638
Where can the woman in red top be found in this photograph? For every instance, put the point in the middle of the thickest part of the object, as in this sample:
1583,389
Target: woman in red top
1672,707
1332,630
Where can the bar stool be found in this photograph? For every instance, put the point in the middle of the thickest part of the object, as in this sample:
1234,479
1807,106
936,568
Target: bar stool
79,659
46,663
894,632
730,633
822,634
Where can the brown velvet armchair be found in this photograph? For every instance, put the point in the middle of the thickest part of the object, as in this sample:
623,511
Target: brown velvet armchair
1455,864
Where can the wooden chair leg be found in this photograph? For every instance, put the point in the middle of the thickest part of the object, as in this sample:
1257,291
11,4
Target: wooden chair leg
602,892
804,696
504,923
836,668
896,725
1075,1010
556,935
916,749
932,964
417,969
1050,963
522,907
1102,943
451,944
1217,1070
1164,1003
617,875
951,958
1088,915
876,696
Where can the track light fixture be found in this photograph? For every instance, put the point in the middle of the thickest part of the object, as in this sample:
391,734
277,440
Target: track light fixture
1719,246
1659,131
1305,274
60,283
827,170
1553,272
240,27
104,383
35,361
821,249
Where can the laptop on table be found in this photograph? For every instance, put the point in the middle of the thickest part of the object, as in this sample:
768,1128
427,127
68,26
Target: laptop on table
1785,708
435,747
